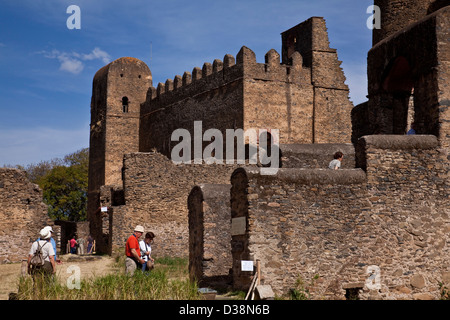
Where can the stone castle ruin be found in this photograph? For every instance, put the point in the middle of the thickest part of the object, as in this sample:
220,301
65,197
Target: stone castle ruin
379,227
305,97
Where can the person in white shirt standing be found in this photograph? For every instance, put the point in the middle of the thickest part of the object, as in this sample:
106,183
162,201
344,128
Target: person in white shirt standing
146,251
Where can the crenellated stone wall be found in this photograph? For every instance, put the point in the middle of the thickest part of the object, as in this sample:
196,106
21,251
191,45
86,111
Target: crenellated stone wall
307,101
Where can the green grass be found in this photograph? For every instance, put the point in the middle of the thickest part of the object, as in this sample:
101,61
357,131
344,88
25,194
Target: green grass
167,281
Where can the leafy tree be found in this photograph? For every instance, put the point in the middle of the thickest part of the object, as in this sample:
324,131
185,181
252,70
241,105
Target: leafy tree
65,187
36,171
64,183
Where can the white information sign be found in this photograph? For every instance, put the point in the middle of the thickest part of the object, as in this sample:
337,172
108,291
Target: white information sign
246,265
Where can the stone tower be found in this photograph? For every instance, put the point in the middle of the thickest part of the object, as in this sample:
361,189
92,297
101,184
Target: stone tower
118,90
310,39
407,72
398,14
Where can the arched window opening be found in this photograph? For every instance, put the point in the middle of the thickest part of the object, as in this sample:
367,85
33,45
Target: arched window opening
125,104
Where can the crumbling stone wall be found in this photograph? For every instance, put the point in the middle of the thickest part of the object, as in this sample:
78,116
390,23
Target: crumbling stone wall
409,70
22,214
331,106
316,156
394,215
156,192
210,235
398,14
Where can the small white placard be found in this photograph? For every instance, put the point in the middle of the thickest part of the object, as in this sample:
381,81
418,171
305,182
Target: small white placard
246,265
104,209
238,226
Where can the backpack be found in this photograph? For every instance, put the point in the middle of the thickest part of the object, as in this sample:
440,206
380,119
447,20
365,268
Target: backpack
37,260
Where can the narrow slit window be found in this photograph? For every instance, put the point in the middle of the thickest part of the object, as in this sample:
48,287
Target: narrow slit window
125,104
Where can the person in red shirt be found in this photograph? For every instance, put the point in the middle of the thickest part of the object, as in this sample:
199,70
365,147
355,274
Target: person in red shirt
132,251
73,245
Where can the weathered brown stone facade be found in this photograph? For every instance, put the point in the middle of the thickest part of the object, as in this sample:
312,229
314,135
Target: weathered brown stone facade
22,214
378,227
118,90
155,193
408,73
306,100
393,215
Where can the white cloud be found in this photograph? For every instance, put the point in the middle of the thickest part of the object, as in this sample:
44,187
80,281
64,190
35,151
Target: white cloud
73,62
70,65
97,53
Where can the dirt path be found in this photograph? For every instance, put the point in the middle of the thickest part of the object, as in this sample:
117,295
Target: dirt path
89,266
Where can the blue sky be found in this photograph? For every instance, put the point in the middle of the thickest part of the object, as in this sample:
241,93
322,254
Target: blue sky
47,69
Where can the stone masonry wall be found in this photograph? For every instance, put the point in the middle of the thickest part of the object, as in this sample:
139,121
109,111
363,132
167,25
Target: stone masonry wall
114,128
316,156
156,193
22,215
383,232
331,105
297,223
308,104
423,46
408,190
212,95
278,96
397,14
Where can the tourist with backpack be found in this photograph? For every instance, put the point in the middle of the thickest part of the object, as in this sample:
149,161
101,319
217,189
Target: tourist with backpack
41,259
53,242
